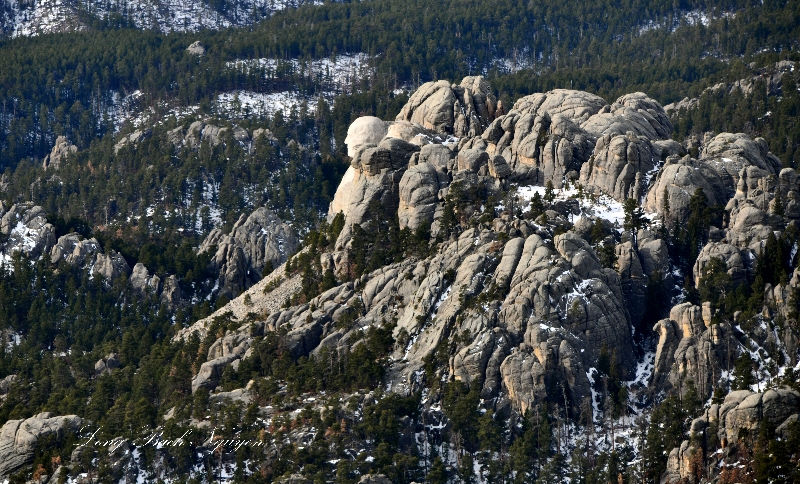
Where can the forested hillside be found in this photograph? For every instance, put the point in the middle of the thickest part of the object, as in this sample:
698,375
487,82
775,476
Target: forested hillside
401,241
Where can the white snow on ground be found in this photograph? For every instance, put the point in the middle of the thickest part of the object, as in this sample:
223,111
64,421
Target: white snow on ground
692,17
331,77
245,103
644,369
336,74
48,16
601,206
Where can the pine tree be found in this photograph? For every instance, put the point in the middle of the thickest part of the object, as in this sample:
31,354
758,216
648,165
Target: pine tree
743,377
634,216
549,193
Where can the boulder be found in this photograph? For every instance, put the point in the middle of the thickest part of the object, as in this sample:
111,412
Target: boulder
366,130
5,383
636,113
106,364
677,180
293,479
419,195
196,48
654,255
730,255
18,438
374,479
214,134
460,110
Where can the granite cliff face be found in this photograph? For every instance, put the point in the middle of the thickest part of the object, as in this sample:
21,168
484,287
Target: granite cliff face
258,241
523,303
525,306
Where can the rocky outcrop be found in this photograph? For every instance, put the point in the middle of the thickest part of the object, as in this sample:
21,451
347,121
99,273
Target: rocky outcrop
653,255
18,438
110,266
196,48
744,409
771,76
374,479
540,138
60,150
377,172
27,231
142,281
729,254
222,353
577,106
741,414
422,184
460,110
636,113
5,383
730,153
622,166
132,139
75,250
265,297
254,242
561,308
692,348
106,364
171,295
675,184
196,134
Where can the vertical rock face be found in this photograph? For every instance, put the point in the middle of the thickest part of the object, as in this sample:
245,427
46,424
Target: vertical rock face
620,166
632,280
254,241
377,174
419,194
18,438
540,138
